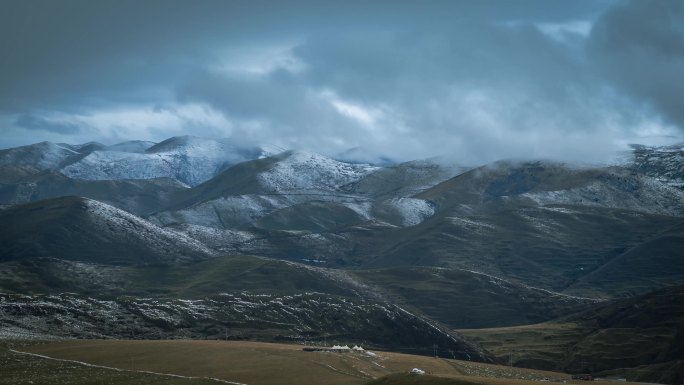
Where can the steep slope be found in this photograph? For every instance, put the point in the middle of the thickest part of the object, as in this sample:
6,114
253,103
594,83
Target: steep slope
80,229
141,197
191,160
655,263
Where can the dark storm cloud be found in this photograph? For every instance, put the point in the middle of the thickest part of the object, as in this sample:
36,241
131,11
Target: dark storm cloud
278,105
484,94
478,79
72,52
640,46
32,122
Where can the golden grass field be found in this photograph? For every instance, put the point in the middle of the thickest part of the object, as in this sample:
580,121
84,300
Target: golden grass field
256,363
545,342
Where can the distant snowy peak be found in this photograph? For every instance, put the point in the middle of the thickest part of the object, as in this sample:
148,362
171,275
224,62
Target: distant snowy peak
101,165
43,155
190,160
301,170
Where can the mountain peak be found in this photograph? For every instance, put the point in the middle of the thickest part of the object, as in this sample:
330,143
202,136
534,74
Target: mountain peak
304,170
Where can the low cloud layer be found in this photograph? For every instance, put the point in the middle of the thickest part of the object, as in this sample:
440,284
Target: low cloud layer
476,81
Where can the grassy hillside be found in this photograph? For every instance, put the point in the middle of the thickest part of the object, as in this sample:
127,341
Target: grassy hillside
414,379
466,299
654,263
551,247
312,216
78,229
27,369
456,298
642,335
189,280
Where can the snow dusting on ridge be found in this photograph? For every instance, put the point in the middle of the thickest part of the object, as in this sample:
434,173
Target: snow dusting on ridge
131,227
188,159
309,171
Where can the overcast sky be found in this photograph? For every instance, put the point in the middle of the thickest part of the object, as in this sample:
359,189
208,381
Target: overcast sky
474,80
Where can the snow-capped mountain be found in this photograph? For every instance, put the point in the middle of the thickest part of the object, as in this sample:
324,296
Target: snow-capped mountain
188,159
252,190
307,171
41,156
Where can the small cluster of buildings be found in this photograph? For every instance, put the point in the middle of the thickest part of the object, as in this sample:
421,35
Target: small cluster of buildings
334,349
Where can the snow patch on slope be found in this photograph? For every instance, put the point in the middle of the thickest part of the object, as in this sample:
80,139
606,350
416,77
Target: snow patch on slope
412,210
641,194
224,240
363,208
226,211
310,171
101,165
120,224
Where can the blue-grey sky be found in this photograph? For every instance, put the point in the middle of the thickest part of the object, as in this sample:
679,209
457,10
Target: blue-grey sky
475,80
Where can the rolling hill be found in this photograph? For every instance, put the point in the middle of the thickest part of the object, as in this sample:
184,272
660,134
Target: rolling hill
80,229
640,338
140,197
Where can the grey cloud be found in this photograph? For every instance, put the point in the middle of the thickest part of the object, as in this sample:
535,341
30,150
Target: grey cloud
292,105
639,45
274,109
478,79
33,122
478,91
413,66
76,54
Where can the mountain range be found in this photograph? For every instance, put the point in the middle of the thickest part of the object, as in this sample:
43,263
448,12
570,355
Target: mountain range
170,237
